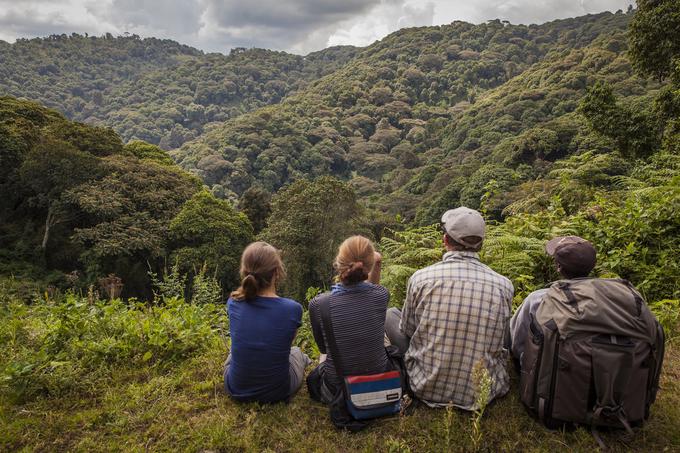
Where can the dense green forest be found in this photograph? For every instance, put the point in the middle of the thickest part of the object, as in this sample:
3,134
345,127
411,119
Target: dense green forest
154,90
509,119
140,168
80,207
425,116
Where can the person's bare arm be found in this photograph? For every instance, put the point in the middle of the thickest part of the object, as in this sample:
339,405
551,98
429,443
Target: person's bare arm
374,275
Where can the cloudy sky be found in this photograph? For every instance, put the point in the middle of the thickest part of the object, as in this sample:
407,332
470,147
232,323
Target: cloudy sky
298,26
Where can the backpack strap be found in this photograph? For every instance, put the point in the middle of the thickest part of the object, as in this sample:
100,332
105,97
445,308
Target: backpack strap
325,312
339,413
571,297
638,299
656,359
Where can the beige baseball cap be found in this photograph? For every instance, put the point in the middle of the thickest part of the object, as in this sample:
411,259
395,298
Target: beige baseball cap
465,225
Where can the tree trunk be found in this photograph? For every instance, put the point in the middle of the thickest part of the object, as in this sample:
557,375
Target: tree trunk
48,225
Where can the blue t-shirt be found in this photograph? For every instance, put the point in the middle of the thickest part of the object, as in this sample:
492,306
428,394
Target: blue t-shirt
262,330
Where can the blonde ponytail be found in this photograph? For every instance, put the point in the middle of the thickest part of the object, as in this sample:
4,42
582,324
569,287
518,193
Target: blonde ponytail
355,260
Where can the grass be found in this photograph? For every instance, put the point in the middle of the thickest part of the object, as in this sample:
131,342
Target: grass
183,408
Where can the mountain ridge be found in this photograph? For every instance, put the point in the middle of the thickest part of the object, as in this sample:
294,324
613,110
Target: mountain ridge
408,120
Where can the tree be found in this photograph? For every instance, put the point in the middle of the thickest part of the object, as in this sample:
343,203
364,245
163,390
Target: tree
208,231
256,204
636,133
50,169
143,150
309,220
654,37
128,211
487,178
655,50
98,141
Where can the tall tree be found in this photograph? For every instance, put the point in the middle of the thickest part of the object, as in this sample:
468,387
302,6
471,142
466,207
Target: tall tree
50,169
208,231
655,50
129,211
309,220
655,37
636,133
256,204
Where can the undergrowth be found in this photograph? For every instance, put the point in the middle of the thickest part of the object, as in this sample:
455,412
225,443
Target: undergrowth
83,375
53,347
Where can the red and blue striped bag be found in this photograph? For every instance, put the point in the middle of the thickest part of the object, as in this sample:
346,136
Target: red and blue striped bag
373,395
366,396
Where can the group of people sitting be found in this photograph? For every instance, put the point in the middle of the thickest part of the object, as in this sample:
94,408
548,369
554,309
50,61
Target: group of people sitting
456,315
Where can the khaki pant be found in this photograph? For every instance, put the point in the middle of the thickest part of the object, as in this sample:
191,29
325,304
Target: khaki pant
298,362
394,334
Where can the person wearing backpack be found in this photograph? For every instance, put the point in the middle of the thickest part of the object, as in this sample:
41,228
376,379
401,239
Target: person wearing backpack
454,319
355,376
574,258
590,351
262,366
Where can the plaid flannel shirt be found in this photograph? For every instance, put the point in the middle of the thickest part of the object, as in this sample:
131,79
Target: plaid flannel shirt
456,313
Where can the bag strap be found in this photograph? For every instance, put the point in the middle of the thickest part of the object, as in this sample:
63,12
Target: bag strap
325,311
639,302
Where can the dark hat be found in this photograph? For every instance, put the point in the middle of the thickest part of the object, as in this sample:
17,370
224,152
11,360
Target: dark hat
575,255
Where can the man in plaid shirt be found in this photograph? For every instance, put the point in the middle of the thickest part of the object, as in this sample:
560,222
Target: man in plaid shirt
454,319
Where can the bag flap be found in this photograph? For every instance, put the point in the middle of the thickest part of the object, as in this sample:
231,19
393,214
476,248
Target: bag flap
596,305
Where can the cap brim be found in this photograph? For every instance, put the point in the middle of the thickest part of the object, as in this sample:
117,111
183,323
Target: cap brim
555,243
552,244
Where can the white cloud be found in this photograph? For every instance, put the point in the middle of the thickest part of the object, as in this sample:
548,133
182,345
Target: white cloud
388,16
28,19
299,26
522,11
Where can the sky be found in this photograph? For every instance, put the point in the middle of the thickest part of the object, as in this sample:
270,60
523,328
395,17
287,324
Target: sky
298,26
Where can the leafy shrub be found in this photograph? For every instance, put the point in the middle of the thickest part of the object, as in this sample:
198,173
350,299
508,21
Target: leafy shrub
305,338
54,347
205,289
667,311
170,285
404,252
636,233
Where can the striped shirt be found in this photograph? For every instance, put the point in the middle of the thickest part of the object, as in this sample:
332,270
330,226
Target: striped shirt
358,317
456,313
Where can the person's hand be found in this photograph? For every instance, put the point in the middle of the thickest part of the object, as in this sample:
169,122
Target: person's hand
374,275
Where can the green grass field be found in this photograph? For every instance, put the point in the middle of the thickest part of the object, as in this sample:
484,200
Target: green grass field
183,408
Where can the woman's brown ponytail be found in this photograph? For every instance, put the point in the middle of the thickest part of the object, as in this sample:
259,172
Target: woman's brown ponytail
260,265
249,287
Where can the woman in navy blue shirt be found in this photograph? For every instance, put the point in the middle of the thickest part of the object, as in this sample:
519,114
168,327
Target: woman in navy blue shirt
262,366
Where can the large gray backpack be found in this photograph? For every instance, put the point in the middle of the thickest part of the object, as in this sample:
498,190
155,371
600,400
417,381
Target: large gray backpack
593,356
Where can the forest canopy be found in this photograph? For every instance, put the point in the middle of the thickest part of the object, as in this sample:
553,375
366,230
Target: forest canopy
565,117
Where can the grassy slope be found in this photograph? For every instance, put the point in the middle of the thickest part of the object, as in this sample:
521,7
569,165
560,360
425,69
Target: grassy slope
185,409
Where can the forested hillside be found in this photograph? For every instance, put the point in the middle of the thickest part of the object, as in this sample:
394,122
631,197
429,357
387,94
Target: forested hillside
154,90
408,119
421,101
513,120
116,256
